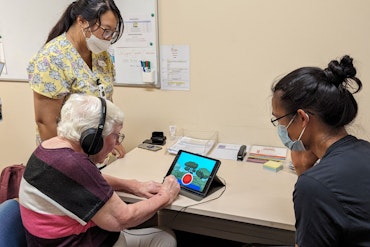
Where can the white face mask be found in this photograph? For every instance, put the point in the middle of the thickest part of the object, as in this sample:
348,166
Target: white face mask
95,44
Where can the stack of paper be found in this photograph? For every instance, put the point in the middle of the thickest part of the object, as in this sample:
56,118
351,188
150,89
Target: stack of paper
262,154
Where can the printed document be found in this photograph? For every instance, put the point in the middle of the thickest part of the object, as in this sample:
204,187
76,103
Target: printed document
226,151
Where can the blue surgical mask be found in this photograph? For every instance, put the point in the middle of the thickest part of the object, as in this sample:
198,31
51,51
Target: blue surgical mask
289,143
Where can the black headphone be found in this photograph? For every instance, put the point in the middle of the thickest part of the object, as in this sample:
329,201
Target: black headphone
91,140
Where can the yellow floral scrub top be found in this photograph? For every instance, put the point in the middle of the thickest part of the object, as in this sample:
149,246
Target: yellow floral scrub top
58,70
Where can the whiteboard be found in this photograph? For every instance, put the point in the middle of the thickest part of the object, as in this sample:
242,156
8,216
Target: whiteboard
139,42
25,25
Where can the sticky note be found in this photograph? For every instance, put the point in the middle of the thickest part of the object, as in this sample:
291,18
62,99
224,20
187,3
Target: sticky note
273,166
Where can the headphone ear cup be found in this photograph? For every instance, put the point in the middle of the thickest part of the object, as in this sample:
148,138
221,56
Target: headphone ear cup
89,146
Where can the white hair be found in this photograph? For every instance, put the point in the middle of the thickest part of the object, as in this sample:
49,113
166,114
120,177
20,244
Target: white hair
81,112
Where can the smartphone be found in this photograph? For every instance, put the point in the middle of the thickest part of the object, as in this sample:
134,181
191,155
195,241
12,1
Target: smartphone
150,147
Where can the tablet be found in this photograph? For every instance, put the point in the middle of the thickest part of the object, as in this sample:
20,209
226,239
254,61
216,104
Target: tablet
196,174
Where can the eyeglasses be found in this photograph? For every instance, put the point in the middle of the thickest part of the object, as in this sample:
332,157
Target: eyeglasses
274,120
119,137
107,33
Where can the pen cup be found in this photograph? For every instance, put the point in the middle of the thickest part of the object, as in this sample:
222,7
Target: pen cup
148,76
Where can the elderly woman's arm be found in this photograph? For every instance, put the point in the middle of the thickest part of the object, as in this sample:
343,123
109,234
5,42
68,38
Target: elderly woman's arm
116,215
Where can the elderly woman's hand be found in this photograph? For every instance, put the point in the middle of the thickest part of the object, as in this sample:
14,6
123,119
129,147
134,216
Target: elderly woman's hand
147,189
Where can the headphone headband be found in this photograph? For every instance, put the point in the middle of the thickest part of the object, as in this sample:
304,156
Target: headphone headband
91,139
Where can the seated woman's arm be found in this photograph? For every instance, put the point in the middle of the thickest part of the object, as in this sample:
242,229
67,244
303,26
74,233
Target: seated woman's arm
116,215
132,186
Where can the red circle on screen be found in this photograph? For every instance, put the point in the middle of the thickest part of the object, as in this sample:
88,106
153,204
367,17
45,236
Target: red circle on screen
187,178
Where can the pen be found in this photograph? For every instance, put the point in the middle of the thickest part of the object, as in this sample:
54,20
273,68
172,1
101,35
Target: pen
142,65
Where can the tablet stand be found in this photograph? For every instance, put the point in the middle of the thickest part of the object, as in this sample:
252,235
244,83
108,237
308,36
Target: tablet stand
216,184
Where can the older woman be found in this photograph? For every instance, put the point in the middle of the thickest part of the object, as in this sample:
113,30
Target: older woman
66,201
311,107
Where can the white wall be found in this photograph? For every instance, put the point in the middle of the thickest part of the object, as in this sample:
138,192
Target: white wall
238,48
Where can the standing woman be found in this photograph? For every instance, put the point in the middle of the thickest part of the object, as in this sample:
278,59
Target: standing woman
74,59
311,108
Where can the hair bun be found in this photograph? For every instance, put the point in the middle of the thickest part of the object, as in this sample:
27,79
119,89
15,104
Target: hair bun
338,72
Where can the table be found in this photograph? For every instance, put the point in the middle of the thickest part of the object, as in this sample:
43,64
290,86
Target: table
255,207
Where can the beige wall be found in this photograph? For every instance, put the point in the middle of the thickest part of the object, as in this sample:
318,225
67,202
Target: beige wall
238,48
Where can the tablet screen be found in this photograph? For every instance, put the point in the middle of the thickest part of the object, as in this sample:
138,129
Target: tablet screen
194,172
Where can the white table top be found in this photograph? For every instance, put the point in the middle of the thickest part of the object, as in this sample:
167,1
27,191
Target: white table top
253,195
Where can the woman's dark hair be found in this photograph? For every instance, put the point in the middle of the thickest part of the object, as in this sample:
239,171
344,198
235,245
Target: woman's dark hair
326,93
91,11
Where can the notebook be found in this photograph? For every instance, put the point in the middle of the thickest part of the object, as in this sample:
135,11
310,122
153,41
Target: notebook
196,174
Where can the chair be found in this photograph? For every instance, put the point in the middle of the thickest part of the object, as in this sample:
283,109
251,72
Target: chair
12,232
